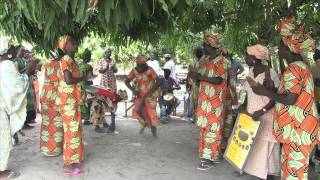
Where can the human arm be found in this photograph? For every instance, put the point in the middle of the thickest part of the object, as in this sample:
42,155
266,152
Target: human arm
102,68
128,81
67,67
114,67
198,77
287,98
152,90
128,84
262,111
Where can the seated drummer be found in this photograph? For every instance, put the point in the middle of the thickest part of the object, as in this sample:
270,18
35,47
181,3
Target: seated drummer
167,86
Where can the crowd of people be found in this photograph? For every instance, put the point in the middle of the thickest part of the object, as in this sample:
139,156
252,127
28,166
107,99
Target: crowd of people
286,103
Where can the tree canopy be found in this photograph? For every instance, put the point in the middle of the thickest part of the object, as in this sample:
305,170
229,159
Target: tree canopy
167,23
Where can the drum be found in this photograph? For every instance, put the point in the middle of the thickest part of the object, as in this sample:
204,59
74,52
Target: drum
168,99
241,141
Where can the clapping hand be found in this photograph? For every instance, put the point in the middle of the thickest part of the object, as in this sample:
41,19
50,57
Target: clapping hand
194,75
260,90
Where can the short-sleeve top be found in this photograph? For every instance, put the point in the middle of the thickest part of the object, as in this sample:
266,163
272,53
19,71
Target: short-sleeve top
69,94
297,123
144,81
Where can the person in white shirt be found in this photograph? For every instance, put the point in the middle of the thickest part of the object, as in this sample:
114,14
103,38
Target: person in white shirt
154,64
170,65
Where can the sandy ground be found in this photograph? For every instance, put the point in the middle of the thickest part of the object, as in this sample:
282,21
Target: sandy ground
126,154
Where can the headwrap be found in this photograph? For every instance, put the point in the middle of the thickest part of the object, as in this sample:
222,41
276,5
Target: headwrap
5,44
140,59
63,41
213,40
295,38
259,51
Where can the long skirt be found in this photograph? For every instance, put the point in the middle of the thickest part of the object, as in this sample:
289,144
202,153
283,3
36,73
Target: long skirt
210,146
5,140
267,154
51,134
295,161
149,111
73,150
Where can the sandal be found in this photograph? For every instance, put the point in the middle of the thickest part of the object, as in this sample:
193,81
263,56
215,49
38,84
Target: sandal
205,165
8,174
75,172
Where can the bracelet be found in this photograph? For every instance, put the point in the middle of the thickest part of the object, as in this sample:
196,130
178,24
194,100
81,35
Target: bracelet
264,110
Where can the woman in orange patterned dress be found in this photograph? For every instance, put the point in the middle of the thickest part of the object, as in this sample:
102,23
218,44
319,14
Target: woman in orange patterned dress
296,123
146,90
213,75
51,134
69,97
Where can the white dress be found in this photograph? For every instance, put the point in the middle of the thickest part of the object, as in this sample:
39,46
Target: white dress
264,158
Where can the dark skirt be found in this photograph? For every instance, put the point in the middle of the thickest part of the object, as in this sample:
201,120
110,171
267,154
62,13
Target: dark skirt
31,116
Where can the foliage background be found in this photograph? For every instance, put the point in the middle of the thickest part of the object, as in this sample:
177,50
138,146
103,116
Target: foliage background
148,26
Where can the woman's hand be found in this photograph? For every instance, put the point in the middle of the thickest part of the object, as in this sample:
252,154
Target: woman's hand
260,90
256,115
195,75
32,65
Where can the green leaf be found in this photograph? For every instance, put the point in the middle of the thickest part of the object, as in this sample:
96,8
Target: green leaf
64,4
74,4
174,2
50,19
81,10
108,5
165,6
189,2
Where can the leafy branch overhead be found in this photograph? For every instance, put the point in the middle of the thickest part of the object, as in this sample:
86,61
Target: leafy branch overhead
242,21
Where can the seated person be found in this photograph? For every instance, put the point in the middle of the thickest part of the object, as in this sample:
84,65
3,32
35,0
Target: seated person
167,85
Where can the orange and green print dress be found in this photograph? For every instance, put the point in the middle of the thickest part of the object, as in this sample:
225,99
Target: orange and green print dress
51,133
296,126
143,83
211,107
69,105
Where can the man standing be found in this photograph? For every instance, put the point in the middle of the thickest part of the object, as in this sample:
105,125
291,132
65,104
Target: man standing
171,65
154,64
108,69
212,74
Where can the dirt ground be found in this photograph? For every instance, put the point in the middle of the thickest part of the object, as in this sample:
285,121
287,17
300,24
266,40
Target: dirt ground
126,154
